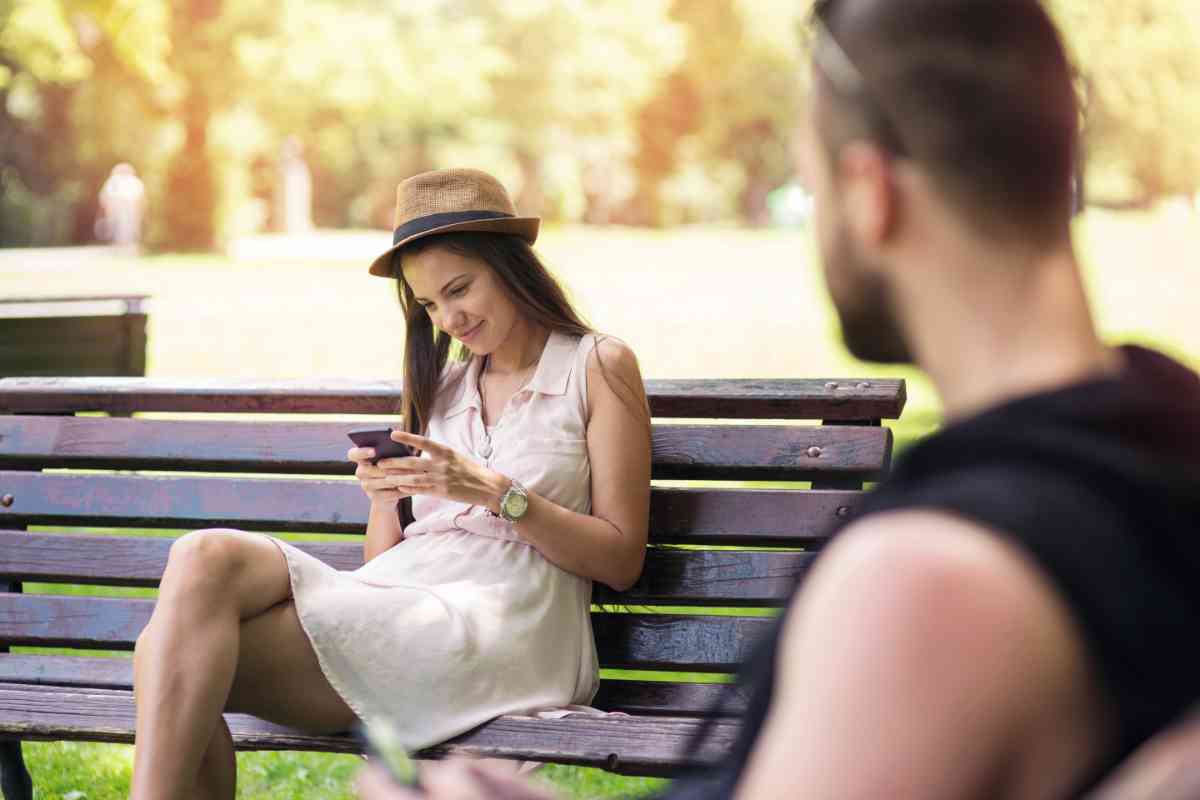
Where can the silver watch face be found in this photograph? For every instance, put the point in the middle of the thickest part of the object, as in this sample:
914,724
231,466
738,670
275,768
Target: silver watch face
515,505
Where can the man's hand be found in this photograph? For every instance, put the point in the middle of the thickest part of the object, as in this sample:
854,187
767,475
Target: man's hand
456,779
1165,768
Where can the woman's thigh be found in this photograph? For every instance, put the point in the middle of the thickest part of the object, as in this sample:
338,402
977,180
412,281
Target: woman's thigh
279,679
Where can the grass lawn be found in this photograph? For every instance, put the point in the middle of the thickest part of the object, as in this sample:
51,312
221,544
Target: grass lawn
692,303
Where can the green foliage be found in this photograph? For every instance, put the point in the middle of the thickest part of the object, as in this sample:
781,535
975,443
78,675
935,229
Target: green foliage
88,771
79,770
638,111
1140,63
715,139
79,83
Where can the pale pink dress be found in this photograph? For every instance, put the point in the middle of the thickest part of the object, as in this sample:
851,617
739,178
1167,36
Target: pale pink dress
462,621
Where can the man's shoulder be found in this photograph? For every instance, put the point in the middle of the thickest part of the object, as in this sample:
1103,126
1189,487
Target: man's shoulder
951,581
923,546
938,628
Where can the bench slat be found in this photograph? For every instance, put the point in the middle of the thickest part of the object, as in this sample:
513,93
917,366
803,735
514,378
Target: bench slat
680,451
629,745
628,641
677,577
690,516
818,399
631,697
676,642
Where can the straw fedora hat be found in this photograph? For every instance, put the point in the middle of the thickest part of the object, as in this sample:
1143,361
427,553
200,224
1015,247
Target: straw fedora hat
452,200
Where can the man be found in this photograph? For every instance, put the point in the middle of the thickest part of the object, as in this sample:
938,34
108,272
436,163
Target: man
1013,612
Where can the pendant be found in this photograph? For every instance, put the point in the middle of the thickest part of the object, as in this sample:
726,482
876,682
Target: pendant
485,450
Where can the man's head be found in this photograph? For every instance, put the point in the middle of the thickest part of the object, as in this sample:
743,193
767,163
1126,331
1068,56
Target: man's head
962,110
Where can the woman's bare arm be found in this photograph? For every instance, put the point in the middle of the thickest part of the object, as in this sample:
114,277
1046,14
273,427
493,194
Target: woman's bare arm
383,529
609,545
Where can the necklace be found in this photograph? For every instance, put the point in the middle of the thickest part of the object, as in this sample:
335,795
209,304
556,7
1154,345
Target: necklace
485,448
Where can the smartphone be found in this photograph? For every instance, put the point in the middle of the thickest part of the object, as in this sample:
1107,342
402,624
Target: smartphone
381,440
382,745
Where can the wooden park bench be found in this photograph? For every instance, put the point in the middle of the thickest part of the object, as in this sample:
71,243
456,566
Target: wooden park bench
92,335
88,475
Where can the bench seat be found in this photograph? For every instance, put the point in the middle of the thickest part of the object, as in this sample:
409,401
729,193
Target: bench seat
95,500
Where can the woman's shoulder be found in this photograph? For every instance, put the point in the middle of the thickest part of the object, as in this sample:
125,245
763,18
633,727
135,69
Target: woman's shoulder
605,352
612,369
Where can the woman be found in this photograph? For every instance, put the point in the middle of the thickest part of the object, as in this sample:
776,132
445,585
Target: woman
533,480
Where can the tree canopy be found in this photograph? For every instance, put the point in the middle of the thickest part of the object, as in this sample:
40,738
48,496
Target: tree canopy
635,111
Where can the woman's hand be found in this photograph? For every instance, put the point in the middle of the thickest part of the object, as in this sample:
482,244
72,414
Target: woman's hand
442,471
376,479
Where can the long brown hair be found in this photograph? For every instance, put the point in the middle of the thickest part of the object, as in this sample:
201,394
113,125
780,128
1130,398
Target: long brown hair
538,296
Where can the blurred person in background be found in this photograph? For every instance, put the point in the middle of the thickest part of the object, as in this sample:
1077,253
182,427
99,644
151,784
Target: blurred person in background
122,207
1012,613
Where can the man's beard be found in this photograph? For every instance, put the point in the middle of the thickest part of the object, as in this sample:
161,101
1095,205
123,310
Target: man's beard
870,327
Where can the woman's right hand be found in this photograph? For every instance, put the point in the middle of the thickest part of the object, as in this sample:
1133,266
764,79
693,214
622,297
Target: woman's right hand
376,481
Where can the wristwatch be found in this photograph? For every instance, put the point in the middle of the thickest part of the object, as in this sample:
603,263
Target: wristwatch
514,503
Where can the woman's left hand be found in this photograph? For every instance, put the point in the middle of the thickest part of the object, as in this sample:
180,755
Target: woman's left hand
444,472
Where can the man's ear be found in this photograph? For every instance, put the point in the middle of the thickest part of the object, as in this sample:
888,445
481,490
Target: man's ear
870,201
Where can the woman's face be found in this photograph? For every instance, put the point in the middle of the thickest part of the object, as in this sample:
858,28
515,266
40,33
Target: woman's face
462,296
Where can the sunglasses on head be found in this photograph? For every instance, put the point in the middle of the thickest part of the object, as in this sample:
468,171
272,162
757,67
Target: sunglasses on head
847,80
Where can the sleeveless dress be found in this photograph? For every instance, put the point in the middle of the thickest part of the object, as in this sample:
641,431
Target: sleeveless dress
462,621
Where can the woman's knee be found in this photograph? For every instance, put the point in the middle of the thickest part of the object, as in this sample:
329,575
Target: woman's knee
208,559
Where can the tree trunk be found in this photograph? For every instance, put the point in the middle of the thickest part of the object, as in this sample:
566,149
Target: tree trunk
531,198
191,197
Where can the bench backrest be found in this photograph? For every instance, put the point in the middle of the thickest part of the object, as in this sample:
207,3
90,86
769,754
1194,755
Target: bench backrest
723,552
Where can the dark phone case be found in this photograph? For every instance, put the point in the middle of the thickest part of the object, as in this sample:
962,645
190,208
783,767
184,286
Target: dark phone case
380,439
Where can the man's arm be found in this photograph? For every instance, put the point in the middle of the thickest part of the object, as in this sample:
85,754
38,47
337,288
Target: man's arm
1165,768
927,657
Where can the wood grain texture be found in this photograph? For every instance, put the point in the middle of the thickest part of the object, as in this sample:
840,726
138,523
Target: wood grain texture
633,697
83,672
828,399
698,643
672,577
680,451
627,744
676,642
683,516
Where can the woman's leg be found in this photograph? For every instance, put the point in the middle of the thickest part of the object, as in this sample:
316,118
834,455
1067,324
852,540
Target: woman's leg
279,679
217,777
219,587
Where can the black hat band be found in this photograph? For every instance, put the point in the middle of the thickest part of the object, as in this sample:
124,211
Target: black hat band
425,224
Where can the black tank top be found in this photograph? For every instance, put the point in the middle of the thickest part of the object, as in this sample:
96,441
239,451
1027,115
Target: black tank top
1100,483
